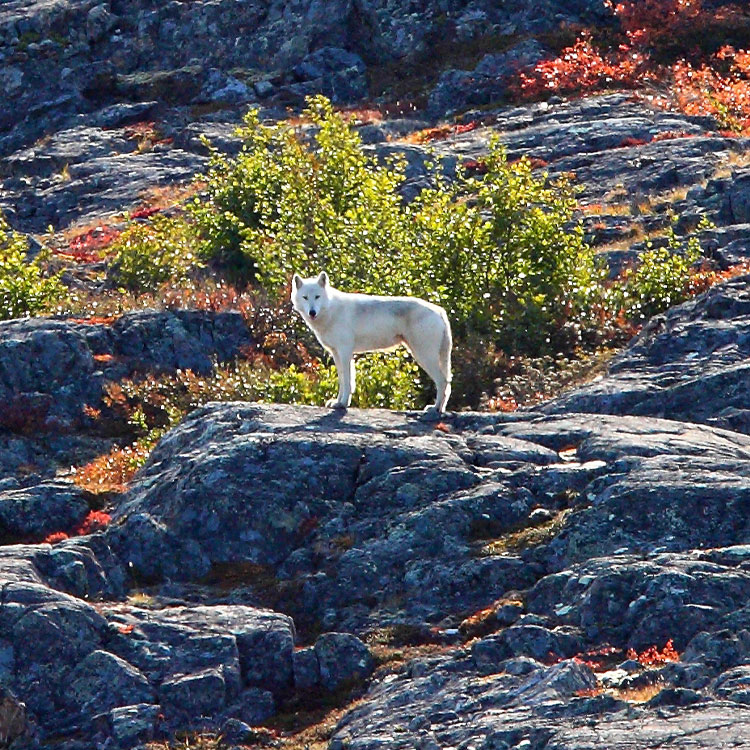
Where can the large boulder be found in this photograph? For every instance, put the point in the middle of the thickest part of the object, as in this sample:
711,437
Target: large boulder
328,513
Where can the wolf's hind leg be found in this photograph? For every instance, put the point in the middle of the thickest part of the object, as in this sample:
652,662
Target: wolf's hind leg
433,355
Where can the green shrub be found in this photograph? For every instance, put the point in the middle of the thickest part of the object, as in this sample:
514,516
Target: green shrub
384,380
661,277
24,289
496,251
149,253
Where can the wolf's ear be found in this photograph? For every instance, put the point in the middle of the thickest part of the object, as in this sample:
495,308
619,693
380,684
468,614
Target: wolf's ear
297,279
323,279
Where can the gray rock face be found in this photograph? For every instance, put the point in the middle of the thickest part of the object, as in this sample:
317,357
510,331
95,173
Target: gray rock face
637,532
33,513
49,368
114,669
333,71
385,500
687,364
488,82
61,59
342,659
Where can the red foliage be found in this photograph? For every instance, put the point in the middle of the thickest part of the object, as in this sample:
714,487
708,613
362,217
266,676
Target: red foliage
703,90
475,166
144,212
502,404
649,22
126,629
440,132
653,655
629,142
668,135
589,692
598,659
719,86
92,412
85,247
54,538
95,320
583,68
703,278
537,163
96,520
466,128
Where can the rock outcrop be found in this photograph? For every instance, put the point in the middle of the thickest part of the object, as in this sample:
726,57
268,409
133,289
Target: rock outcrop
51,368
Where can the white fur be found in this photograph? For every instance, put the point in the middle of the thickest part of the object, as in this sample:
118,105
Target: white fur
346,324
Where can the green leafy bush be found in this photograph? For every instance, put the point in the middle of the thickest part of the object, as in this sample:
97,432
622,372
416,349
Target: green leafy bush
661,277
496,251
148,254
500,250
384,380
24,288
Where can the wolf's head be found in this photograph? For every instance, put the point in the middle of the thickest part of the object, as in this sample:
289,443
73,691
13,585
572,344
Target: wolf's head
310,297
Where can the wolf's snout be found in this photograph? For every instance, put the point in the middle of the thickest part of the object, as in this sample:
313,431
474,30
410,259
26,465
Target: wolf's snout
313,313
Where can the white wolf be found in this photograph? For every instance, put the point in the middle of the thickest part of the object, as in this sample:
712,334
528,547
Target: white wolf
348,323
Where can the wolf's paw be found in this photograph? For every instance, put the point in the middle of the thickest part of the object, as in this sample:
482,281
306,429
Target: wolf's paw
431,414
334,403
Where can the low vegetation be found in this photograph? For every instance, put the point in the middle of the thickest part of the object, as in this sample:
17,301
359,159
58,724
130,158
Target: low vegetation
499,248
25,288
685,49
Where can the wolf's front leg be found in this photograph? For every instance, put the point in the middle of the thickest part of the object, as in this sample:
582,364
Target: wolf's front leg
345,370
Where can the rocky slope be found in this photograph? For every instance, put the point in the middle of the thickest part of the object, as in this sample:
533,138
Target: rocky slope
476,583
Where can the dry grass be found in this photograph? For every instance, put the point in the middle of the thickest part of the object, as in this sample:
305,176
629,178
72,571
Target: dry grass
166,196
308,730
606,209
142,600
637,694
198,741
532,536
735,160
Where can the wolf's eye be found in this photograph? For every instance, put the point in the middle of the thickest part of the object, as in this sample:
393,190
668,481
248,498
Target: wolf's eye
317,296
304,296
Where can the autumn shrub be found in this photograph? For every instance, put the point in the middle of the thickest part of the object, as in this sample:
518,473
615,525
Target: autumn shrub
95,520
112,471
25,289
677,44
148,254
706,89
654,656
